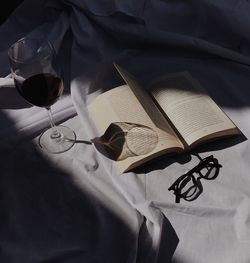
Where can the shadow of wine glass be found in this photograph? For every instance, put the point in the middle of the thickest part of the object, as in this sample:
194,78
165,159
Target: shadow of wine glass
78,141
122,140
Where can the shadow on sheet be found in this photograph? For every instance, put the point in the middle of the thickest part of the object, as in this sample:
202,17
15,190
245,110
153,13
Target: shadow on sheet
47,217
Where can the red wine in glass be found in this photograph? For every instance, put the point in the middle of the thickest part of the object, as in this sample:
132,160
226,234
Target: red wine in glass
48,89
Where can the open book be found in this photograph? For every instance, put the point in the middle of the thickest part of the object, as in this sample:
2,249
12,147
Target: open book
172,115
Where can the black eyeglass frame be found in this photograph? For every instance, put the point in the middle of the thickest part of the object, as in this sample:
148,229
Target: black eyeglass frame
196,188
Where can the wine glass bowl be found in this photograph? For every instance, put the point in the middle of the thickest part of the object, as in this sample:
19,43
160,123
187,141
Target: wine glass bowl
38,79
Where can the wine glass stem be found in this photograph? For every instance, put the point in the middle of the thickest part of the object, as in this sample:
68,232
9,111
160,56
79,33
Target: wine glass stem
54,134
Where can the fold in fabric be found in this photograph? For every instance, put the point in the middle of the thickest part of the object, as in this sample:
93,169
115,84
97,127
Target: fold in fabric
110,7
148,38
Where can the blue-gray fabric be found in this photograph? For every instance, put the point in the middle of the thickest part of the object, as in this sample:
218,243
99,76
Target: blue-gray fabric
74,207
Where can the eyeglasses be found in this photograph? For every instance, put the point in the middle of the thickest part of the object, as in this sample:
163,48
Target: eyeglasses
188,186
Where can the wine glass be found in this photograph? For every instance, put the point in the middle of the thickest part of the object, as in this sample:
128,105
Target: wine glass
38,79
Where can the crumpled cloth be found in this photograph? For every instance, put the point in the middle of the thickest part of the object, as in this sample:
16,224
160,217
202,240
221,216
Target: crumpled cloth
208,38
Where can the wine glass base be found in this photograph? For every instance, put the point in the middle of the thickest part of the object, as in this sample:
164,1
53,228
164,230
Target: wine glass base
59,144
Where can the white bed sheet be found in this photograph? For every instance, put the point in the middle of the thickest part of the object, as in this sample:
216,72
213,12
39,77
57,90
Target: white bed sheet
213,228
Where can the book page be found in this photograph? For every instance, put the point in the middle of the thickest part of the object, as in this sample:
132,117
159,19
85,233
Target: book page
146,101
120,105
194,114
